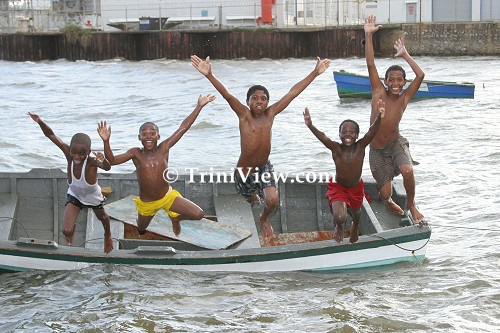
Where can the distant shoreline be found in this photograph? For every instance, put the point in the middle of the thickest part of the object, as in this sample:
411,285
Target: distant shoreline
431,39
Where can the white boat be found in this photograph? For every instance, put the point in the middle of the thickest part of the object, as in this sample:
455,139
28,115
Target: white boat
31,215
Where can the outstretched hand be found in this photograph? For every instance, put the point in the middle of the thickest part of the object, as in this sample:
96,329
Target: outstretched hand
203,66
381,108
322,65
104,132
307,117
205,99
99,156
33,116
399,45
370,24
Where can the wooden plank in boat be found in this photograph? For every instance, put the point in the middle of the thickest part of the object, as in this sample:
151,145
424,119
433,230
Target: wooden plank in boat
203,233
235,210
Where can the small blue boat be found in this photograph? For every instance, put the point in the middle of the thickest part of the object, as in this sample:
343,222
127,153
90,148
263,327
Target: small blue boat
351,85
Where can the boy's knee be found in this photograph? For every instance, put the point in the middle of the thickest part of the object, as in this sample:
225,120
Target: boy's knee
68,232
199,214
406,170
272,202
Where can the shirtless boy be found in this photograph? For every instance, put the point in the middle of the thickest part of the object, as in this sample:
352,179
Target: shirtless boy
347,192
389,151
151,163
83,190
255,123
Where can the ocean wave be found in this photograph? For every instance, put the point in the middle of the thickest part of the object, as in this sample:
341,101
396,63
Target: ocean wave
204,125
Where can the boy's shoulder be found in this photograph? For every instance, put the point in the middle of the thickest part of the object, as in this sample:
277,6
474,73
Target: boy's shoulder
135,150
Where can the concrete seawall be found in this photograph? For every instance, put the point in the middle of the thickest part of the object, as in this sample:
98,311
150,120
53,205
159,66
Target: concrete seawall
453,39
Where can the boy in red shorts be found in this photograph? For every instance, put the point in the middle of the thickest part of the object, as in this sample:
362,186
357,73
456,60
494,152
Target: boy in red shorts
347,192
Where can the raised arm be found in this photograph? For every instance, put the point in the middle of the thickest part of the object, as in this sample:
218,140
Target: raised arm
105,133
372,131
205,68
186,124
332,145
49,133
419,73
370,29
321,66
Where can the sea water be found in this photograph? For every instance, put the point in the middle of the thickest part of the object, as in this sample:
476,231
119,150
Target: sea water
457,142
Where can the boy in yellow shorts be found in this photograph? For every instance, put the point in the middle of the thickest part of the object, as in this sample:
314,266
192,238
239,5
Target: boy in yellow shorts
151,162
150,208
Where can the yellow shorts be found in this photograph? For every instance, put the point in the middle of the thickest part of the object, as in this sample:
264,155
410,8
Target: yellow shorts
152,207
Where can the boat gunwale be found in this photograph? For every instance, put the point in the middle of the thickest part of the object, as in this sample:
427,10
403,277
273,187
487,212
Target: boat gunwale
226,256
435,82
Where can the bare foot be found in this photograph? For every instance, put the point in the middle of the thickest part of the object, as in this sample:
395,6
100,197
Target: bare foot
108,243
394,208
270,241
267,231
69,239
354,233
416,215
176,226
338,235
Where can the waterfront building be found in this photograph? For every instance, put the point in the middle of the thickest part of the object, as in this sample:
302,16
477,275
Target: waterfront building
130,15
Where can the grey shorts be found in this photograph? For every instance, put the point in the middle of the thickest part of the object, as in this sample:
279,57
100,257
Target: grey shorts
385,162
257,180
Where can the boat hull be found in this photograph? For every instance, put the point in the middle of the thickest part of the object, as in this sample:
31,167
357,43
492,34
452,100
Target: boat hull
406,245
358,86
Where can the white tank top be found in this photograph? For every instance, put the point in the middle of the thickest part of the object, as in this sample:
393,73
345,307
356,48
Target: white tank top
90,195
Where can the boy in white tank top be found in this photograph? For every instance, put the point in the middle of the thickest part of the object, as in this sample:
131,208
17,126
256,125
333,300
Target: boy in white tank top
83,190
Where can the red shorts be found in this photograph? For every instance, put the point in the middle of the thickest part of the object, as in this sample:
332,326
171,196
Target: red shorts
353,196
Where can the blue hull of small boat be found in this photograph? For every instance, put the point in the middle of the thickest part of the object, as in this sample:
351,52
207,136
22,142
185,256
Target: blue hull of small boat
358,86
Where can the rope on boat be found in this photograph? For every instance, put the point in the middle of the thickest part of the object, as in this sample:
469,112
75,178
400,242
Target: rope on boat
27,234
374,235
17,221
101,238
399,246
469,228
424,223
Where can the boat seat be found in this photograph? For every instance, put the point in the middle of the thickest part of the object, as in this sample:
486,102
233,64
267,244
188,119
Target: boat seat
399,192
94,235
373,226
8,208
235,210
